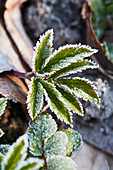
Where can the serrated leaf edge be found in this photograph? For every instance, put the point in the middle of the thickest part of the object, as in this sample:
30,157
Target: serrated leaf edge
23,151
74,72
73,59
54,110
38,43
88,81
28,99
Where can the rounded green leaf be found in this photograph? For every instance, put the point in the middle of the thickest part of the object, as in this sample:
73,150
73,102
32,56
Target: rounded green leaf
39,130
74,141
61,163
56,144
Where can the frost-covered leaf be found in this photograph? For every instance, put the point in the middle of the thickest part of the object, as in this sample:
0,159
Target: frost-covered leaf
56,144
1,159
1,133
75,67
42,51
3,103
16,154
4,149
71,101
81,87
61,163
74,141
66,55
30,164
56,102
35,97
39,130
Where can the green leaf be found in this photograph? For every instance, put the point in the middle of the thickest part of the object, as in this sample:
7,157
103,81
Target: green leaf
39,130
66,55
75,67
81,87
35,98
42,51
71,101
1,133
4,149
61,163
56,144
74,141
30,164
3,103
55,102
1,158
16,154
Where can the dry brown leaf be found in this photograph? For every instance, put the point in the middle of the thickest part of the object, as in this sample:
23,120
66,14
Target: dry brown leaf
13,22
11,90
7,49
5,64
100,58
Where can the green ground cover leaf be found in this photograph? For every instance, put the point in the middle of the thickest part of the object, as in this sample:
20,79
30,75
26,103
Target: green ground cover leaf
66,55
61,163
31,164
71,100
42,51
3,103
35,98
81,87
39,130
1,133
55,102
16,154
56,144
74,141
73,68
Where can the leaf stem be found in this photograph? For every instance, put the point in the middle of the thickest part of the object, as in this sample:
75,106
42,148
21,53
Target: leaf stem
24,75
45,163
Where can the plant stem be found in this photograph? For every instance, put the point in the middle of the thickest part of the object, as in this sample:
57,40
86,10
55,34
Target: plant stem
45,163
24,75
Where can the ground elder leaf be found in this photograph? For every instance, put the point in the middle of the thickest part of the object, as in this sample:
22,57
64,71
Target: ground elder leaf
61,163
1,133
35,98
56,144
71,101
42,51
74,141
39,130
1,158
66,55
81,87
73,68
16,154
55,102
31,164
3,103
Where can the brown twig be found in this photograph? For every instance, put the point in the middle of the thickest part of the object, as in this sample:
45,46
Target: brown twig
24,75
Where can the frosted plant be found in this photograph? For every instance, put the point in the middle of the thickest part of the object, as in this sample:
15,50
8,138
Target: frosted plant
60,92
42,145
